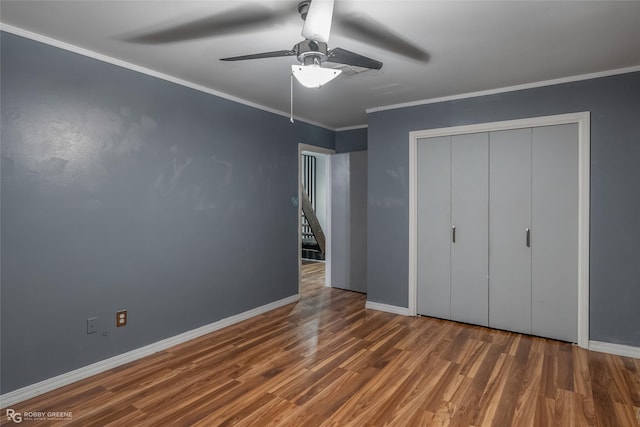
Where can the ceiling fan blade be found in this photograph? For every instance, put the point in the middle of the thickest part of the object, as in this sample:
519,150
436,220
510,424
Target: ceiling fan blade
273,54
240,19
342,56
317,25
364,29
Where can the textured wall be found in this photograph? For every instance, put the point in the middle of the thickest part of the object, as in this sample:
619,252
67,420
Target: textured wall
351,140
123,191
614,103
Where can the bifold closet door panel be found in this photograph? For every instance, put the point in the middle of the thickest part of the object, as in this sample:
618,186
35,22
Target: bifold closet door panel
470,217
510,217
554,242
434,215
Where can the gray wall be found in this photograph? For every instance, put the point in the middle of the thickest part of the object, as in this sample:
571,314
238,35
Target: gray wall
347,141
123,191
614,103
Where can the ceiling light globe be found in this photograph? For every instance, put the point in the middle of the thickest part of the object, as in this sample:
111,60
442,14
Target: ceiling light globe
314,76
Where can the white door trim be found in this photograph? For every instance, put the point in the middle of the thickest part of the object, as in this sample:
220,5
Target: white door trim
583,119
327,255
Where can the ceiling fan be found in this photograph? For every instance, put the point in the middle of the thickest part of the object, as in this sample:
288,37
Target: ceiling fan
311,52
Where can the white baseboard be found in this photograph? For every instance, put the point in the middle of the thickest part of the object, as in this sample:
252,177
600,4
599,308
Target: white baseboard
388,308
617,349
47,385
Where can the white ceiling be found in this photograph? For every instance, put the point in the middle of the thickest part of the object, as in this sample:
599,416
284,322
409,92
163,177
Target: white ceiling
473,46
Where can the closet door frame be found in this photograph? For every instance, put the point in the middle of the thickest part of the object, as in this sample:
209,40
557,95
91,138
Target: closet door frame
583,120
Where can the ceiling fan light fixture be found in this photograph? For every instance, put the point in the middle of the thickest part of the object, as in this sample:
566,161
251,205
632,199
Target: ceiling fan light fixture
314,76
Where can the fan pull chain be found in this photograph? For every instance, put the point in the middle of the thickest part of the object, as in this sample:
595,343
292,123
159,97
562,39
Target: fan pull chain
291,99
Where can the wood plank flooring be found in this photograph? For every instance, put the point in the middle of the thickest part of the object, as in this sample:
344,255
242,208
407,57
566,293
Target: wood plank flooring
327,361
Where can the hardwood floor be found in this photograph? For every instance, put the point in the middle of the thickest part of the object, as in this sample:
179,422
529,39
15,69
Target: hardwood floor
327,361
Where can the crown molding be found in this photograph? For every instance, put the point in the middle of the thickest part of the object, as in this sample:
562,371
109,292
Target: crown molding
351,128
507,89
148,71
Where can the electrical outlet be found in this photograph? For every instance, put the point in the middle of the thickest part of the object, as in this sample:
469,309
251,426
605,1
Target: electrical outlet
121,318
91,325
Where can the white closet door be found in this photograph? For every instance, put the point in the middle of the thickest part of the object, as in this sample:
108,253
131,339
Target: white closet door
510,217
434,215
470,217
349,221
554,242
340,214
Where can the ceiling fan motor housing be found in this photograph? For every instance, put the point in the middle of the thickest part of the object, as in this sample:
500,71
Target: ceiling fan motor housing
311,52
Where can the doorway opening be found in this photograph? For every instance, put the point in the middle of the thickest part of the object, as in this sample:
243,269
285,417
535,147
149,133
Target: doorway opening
314,218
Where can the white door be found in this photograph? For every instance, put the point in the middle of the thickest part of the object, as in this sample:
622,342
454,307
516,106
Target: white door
554,239
434,227
349,221
470,217
509,227
497,230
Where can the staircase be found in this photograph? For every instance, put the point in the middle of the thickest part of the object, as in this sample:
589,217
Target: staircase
313,239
